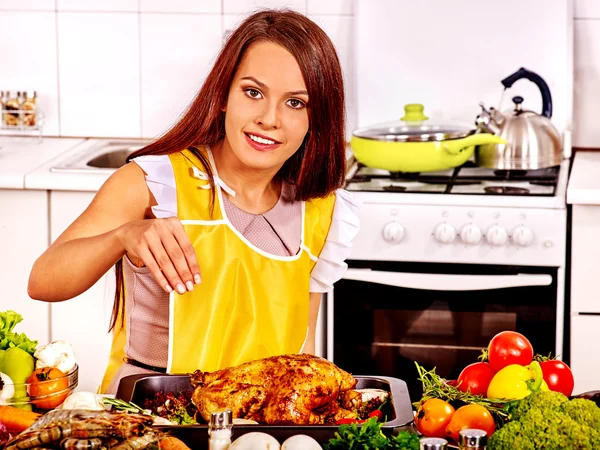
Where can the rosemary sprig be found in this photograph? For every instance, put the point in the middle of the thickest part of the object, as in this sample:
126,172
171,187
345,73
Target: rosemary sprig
122,405
435,386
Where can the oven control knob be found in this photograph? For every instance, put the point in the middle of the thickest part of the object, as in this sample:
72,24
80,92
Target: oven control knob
393,232
497,236
522,236
444,233
470,234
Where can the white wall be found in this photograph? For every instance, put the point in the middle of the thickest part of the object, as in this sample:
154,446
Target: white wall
128,68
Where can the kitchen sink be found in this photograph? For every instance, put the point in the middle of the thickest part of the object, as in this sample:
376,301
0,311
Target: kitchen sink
101,156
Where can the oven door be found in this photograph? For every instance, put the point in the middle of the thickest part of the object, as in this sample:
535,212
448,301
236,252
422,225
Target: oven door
382,317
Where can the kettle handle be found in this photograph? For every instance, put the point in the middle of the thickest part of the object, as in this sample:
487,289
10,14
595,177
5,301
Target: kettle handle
539,82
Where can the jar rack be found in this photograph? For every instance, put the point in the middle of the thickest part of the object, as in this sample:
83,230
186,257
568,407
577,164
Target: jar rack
24,116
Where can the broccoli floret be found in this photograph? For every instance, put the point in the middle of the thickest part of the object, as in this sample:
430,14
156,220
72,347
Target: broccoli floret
548,421
583,411
544,400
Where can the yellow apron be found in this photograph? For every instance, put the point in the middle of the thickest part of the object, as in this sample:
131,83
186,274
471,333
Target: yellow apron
250,304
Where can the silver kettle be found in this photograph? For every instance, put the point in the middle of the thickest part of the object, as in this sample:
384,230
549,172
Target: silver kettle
532,141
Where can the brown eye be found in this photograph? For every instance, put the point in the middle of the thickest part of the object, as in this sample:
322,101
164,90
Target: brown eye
253,93
295,103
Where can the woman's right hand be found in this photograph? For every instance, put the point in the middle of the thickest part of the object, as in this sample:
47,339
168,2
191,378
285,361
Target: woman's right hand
165,248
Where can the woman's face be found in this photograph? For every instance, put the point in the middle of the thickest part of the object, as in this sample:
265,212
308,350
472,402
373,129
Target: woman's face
266,116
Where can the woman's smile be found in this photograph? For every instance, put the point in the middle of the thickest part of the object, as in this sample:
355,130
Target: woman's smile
260,142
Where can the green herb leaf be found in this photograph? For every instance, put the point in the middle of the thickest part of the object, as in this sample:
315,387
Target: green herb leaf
370,436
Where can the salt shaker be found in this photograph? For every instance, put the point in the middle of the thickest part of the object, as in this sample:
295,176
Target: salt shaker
220,429
428,443
472,439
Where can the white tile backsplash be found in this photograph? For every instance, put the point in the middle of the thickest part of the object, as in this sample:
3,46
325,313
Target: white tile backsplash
330,7
99,74
95,85
586,132
181,6
97,5
37,64
170,79
587,9
29,5
245,6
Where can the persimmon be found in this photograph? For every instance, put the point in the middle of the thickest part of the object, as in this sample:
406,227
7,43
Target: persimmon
470,416
433,417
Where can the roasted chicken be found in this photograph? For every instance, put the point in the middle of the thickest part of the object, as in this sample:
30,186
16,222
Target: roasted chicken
288,389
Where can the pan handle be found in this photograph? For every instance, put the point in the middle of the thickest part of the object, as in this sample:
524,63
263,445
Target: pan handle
456,146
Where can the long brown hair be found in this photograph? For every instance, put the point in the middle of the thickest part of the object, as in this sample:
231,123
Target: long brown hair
318,167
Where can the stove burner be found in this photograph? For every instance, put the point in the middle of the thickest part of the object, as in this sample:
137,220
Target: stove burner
505,190
544,182
392,188
405,175
510,174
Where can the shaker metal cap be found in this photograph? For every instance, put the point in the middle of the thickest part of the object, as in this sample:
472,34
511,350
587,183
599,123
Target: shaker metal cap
221,419
433,444
472,438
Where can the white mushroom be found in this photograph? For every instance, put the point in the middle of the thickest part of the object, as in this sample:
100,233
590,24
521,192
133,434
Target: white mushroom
301,442
83,400
255,441
57,354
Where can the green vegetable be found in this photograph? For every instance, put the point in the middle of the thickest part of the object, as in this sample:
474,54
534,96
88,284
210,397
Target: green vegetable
370,436
18,365
2,353
547,419
8,338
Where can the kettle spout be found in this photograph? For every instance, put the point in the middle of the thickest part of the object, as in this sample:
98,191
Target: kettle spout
487,120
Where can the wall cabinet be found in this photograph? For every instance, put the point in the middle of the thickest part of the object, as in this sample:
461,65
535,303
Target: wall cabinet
23,238
82,321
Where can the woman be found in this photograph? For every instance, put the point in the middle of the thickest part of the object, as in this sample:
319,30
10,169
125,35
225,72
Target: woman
226,230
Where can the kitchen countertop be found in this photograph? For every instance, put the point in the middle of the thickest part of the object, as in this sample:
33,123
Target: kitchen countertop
584,181
43,178
22,155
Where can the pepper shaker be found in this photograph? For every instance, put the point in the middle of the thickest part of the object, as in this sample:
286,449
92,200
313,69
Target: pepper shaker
433,444
220,429
472,439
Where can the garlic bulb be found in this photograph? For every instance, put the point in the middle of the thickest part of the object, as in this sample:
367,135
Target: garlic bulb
7,389
57,354
83,400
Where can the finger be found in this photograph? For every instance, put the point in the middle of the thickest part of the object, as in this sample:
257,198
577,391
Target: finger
178,259
188,250
149,261
165,264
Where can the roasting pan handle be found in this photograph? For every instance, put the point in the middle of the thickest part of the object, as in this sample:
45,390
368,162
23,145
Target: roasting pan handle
447,282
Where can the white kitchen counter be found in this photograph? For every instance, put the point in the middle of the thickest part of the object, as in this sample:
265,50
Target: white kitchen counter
584,182
20,155
43,178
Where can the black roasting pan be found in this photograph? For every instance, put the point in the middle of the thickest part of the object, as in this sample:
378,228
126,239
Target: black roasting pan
137,388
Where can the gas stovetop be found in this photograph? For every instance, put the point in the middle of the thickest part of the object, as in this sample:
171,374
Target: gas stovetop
467,179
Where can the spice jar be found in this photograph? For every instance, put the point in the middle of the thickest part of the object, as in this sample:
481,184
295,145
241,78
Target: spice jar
220,429
10,111
472,439
428,443
28,118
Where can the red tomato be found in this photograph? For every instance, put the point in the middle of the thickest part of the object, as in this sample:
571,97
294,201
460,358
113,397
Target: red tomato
558,376
509,347
470,416
48,387
433,417
476,377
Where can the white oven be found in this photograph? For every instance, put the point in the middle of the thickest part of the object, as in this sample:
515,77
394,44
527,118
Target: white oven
433,275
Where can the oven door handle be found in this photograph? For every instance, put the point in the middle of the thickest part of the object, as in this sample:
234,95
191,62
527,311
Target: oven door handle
447,282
